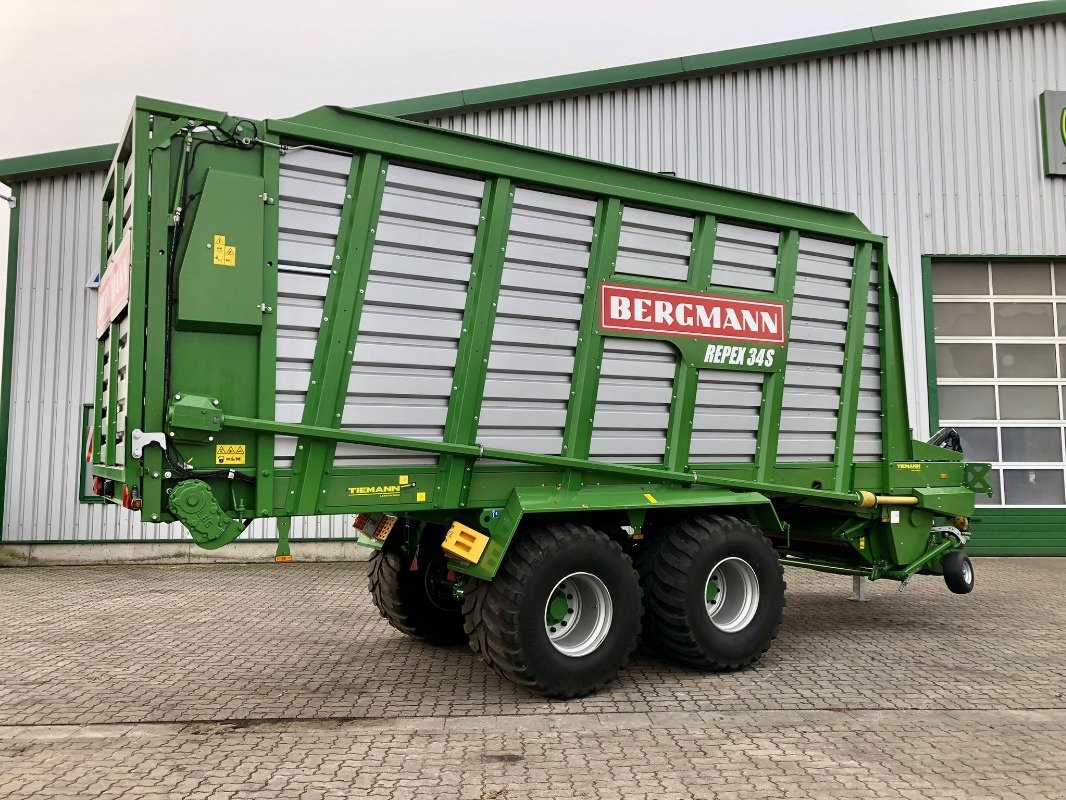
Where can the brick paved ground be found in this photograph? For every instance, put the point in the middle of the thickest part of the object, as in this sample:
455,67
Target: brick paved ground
279,681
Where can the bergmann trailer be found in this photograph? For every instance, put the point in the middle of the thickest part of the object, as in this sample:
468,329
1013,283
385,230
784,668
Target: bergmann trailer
566,400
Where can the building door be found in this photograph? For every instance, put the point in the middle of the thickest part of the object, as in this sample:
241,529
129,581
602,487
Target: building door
999,359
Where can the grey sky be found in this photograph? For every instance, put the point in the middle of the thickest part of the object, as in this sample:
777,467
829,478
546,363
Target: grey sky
71,67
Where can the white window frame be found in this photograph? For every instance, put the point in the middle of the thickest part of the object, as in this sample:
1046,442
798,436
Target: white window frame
1056,298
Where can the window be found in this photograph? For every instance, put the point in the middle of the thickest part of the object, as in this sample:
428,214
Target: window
1000,348
85,469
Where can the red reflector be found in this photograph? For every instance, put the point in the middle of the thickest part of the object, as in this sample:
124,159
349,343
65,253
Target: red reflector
125,496
89,444
98,485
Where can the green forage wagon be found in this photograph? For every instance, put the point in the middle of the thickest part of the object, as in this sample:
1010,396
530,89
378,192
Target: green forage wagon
567,401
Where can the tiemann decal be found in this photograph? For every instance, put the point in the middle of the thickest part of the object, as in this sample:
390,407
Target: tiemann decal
660,312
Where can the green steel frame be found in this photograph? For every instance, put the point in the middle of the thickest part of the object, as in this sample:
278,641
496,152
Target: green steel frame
230,397
1006,531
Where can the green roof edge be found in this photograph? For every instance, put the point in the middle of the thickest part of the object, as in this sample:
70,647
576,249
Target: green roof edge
14,170
742,57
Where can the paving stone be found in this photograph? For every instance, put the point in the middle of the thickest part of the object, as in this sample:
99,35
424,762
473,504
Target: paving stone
280,681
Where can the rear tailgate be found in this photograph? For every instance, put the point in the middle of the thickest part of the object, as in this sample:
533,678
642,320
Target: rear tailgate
115,477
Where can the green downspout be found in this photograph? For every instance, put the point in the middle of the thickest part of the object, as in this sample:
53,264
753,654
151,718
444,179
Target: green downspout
9,345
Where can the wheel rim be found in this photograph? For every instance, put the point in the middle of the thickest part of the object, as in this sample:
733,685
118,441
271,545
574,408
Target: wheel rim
967,572
578,614
732,594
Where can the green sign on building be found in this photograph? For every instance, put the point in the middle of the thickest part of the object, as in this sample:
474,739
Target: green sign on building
1053,131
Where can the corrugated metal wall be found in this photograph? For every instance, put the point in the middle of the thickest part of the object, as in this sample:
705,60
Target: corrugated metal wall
935,144
52,376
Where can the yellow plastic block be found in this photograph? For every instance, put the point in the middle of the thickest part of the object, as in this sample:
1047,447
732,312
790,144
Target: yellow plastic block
465,543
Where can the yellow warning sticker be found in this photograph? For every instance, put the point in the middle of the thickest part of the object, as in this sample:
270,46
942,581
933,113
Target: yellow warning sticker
650,498
404,480
420,497
223,255
230,454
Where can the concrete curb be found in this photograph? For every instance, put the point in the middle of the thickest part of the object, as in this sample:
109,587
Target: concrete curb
45,555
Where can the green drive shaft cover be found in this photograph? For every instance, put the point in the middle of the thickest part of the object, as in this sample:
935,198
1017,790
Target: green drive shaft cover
193,503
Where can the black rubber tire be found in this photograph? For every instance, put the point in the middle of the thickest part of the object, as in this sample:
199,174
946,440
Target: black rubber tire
643,554
505,616
405,602
677,592
958,572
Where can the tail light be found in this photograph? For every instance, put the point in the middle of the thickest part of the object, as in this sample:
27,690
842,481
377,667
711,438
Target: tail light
130,499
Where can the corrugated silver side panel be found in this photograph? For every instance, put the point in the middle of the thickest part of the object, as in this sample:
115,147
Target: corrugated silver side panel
633,402
868,419
840,131
408,337
726,421
531,359
815,351
745,257
312,193
654,244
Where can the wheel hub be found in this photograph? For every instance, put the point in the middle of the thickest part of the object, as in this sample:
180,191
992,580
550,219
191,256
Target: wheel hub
578,614
732,594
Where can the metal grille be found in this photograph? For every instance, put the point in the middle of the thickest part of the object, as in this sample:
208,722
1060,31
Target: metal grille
815,361
745,257
122,219
868,418
726,421
654,244
531,359
105,396
312,193
633,403
122,390
408,338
